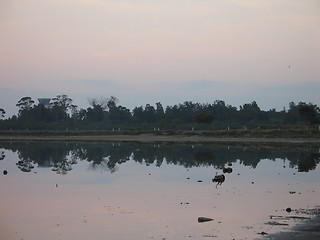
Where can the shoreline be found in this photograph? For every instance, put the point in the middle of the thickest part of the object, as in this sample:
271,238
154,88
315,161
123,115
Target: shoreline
159,138
309,229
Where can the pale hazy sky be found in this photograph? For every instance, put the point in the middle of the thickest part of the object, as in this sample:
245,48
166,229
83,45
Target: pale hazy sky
146,51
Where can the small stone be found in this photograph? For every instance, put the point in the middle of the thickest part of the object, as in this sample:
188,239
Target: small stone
288,209
5,172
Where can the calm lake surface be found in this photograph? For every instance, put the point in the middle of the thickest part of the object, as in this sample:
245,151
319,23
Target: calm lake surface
102,190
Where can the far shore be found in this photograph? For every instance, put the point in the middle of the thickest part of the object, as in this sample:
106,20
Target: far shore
160,138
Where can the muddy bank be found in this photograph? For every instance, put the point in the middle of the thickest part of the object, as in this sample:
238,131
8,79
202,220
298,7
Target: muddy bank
160,138
308,229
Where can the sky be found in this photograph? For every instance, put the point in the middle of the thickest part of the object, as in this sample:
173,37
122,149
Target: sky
167,51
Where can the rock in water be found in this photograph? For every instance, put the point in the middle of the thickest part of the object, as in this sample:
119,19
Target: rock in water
227,170
219,178
204,219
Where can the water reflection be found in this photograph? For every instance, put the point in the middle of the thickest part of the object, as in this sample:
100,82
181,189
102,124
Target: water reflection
154,191
61,156
2,156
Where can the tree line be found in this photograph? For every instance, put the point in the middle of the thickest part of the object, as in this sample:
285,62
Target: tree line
106,113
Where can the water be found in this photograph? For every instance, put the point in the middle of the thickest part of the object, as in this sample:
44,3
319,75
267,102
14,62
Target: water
82,190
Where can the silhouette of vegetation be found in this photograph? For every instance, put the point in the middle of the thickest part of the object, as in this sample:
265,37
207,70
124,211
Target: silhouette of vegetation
309,112
106,114
61,156
203,118
2,113
2,155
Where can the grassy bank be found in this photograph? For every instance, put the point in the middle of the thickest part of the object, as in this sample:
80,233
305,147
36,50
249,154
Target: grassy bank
297,132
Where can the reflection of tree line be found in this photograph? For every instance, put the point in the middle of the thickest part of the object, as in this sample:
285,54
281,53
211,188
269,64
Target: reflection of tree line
60,156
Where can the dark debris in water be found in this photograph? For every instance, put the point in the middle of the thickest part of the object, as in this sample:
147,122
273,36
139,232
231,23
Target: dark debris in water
219,179
227,170
210,236
287,217
277,224
204,219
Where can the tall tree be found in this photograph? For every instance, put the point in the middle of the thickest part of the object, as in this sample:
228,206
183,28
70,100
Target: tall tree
119,114
112,102
149,113
102,102
60,105
95,113
251,112
138,114
292,116
159,111
25,103
308,111
62,101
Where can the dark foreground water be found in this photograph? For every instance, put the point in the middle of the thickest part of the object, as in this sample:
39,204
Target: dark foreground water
70,190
